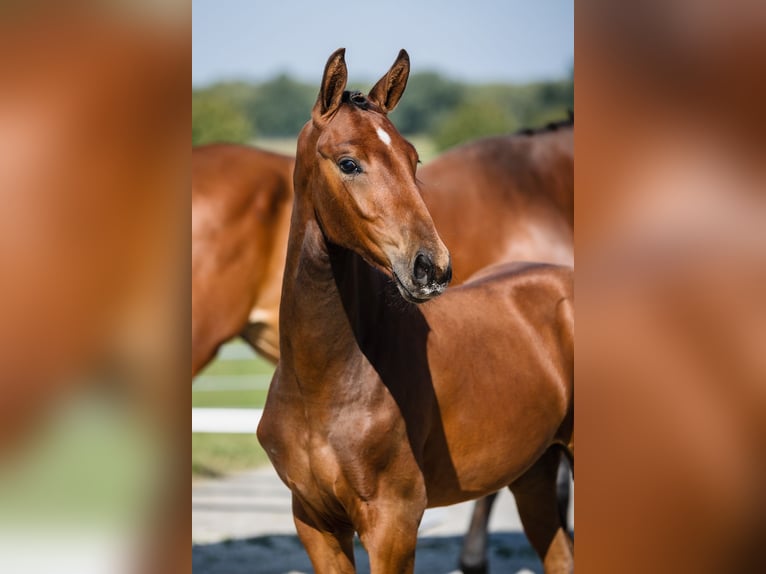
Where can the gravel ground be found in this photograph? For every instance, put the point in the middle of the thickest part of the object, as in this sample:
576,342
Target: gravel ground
243,524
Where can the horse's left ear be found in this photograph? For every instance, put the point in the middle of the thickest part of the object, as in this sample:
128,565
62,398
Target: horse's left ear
389,89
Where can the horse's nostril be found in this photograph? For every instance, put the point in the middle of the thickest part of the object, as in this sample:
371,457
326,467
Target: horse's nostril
423,272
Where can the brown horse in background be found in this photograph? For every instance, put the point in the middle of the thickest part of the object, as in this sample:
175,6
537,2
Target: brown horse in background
505,198
368,420
242,198
94,111
91,181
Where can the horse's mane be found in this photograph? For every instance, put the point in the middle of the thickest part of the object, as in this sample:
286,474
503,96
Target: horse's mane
550,126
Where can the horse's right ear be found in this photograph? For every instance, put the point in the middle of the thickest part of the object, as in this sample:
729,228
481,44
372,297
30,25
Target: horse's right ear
333,84
389,89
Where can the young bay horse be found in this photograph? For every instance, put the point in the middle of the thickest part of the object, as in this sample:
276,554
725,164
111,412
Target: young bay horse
367,419
242,198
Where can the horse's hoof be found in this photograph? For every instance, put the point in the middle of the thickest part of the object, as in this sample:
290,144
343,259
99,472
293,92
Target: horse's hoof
474,569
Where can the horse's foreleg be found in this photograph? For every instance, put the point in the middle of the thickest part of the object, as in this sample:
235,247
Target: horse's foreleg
330,550
473,557
389,533
535,493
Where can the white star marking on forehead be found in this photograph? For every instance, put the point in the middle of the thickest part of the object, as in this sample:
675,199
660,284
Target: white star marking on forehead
384,137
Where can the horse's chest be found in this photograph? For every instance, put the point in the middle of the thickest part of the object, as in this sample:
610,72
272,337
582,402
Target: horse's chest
326,476
342,455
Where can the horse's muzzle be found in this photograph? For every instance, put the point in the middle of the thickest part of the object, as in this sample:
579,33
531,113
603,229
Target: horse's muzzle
426,280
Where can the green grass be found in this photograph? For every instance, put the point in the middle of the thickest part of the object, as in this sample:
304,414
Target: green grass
215,455
238,378
93,461
246,366
242,399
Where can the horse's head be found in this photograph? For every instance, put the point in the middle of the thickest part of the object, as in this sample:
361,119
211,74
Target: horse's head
360,173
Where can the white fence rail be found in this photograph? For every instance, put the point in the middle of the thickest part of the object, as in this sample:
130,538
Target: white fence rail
222,420
229,420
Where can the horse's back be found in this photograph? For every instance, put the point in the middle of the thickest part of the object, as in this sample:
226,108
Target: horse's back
511,166
231,171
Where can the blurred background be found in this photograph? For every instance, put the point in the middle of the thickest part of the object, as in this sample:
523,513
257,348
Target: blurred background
477,69
488,68
94,163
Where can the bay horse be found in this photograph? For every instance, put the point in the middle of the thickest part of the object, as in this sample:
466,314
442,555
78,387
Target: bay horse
367,419
241,203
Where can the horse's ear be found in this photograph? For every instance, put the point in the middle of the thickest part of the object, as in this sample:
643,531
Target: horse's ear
333,84
389,89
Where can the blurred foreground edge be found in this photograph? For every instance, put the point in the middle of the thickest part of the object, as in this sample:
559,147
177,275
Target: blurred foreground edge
94,301
671,248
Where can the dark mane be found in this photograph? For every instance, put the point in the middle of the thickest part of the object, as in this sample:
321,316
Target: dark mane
549,127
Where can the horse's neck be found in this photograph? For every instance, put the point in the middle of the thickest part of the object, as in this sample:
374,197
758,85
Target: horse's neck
334,307
314,330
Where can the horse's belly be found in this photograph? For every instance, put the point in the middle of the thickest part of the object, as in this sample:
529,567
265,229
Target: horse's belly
486,468
491,434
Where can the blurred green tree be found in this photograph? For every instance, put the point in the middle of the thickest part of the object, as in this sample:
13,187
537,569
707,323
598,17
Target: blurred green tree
473,119
281,106
428,99
433,106
215,119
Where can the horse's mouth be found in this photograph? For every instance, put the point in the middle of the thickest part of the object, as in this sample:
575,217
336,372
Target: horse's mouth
417,298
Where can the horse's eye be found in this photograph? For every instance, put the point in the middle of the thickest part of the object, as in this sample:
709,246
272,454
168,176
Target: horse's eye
348,166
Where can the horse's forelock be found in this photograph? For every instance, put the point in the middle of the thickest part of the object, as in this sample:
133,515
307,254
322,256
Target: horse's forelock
360,100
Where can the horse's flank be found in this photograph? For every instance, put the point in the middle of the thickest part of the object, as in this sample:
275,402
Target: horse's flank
241,204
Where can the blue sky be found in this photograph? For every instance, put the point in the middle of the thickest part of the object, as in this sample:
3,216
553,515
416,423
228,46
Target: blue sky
471,40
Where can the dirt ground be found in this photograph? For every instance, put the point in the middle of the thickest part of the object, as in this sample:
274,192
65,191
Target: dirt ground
283,554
